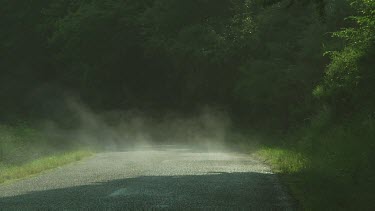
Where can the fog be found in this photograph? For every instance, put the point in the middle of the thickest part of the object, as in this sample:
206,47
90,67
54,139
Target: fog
206,129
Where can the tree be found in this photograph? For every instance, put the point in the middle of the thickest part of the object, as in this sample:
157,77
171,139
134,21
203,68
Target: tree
348,78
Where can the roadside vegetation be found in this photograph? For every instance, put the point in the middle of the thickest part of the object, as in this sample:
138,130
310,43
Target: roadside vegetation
327,167
25,152
300,72
12,172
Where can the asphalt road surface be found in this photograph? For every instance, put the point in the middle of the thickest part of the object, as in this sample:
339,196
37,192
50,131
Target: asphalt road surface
166,177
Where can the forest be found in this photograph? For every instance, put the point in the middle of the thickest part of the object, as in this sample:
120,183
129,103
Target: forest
297,74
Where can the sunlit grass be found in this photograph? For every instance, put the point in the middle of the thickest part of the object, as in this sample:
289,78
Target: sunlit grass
25,151
289,165
283,160
327,169
37,166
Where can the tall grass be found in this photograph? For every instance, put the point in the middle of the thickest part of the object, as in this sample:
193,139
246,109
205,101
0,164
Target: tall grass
20,143
40,165
26,151
328,165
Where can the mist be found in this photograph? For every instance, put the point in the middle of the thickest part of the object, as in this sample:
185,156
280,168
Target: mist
118,130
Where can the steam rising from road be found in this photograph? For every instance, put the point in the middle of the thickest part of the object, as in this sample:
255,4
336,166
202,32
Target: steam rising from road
123,130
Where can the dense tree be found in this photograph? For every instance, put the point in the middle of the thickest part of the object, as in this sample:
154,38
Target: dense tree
260,58
349,77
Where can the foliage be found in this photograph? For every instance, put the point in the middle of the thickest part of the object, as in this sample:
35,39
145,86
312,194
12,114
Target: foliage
18,144
327,166
263,60
347,76
25,151
259,58
285,161
8,173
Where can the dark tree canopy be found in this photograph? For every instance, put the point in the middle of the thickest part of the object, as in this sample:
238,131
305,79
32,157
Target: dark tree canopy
259,57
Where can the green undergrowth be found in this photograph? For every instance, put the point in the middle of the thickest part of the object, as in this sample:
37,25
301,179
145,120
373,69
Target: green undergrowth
283,160
327,165
26,151
288,164
12,172
320,184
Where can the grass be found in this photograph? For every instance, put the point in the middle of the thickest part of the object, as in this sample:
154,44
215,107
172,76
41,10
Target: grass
327,167
283,160
8,173
288,164
21,143
26,151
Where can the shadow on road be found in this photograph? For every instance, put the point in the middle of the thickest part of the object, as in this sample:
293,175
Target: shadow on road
213,190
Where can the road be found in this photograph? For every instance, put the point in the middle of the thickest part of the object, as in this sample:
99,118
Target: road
166,177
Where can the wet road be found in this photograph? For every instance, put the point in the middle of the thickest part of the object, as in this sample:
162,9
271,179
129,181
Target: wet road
166,177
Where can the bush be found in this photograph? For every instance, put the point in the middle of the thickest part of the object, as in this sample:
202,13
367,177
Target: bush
21,143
